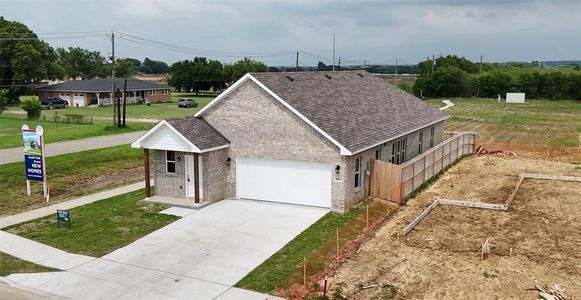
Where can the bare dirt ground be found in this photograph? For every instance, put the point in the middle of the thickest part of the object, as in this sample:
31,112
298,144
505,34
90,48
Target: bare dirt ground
440,258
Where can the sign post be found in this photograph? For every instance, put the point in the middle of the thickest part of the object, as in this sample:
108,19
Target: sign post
33,141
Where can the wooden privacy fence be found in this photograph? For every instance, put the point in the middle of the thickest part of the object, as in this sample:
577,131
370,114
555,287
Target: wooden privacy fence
395,182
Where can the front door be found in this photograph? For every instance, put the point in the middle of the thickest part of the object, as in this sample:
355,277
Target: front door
190,175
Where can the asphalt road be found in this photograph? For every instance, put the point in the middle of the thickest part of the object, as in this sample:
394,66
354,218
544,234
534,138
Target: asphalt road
52,149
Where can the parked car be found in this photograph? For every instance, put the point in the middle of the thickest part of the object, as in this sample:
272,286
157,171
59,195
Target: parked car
187,103
54,102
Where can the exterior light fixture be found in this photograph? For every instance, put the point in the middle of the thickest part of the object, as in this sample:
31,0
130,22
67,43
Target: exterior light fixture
228,160
337,168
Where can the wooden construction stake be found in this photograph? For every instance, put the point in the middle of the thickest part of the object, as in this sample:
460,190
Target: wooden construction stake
305,275
367,219
510,254
337,243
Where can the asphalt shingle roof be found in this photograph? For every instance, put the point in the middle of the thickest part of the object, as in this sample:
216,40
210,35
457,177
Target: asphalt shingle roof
102,85
199,132
355,108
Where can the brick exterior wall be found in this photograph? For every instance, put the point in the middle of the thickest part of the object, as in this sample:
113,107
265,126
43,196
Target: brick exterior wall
159,96
88,97
214,172
169,185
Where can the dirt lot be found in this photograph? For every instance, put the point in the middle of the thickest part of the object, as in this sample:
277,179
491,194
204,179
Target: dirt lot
440,258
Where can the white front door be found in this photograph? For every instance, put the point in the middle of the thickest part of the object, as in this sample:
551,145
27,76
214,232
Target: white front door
287,181
190,184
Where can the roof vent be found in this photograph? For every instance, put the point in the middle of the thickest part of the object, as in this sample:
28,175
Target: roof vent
290,78
361,75
328,77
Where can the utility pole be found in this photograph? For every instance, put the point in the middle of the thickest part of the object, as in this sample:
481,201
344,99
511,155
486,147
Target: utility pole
365,62
339,65
297,62
333,51
479,75
113,80
433,62
395,77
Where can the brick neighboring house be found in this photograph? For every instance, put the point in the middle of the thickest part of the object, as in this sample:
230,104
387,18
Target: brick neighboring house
82,93
295,137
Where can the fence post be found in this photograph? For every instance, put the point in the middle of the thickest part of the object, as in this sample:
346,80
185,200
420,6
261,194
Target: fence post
425,169
413,176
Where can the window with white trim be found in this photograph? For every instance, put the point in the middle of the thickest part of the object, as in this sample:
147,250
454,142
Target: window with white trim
152,92
358,172
378,154
399,151
421,142
432,136
165,92
170,162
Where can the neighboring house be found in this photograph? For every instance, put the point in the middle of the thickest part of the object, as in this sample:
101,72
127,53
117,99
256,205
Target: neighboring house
296,137
82,93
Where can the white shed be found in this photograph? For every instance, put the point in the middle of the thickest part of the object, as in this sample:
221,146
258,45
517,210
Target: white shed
515,97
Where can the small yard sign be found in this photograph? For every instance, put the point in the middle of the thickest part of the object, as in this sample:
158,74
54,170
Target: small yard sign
63,216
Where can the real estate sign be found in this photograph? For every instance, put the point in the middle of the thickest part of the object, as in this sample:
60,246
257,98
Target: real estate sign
33,142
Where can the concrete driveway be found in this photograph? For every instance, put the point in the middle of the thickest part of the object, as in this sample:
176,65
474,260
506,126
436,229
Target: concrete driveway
197,257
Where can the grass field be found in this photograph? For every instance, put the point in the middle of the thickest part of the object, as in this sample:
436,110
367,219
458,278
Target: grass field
11,265
100,227
154,111
70,175
556,123
11,134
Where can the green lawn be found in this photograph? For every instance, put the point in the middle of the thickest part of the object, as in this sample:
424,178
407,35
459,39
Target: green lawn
70,175
11,265
535,122
11,134
154,111
100,227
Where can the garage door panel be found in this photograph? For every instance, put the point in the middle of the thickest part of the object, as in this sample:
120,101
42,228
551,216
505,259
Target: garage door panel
295,182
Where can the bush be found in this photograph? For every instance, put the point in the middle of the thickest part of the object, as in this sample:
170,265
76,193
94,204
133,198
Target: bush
32,106
406,86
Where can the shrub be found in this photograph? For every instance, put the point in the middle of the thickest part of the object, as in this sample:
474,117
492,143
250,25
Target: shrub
32,106
3,100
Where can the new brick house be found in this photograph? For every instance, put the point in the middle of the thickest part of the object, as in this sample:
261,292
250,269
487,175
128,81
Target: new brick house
296,137
82,93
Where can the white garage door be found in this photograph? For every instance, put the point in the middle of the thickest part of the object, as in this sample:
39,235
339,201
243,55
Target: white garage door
66,97
295,182
79,100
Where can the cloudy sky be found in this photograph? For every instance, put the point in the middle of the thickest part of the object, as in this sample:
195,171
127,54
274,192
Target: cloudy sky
271,31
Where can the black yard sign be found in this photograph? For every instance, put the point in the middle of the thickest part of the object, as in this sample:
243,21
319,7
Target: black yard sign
63,216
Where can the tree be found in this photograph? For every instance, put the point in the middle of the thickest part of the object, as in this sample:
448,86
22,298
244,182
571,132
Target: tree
32,106
154,67
446,81
24,59
495,83
79,62
197,75
126,67
240,68
3,100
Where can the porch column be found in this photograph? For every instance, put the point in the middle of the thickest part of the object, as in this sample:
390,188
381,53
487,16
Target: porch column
147,176
196,179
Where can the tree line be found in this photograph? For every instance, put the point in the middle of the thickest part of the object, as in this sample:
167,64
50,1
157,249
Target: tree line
201,74
453,76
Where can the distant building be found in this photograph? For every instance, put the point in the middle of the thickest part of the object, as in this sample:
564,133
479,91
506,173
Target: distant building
82,93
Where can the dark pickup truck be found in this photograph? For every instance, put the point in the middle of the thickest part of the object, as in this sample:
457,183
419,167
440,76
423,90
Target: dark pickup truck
54,102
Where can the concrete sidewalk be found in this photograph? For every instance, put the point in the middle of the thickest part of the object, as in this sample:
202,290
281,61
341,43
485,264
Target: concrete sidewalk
52,149
51,209
448,103
40,254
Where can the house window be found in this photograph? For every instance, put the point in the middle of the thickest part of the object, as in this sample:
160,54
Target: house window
399,151
165,92
358,172
152,92
378,154
432,137
170,162
420,143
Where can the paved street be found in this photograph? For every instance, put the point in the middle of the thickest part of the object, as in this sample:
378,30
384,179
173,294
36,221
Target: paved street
52,149
200,256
